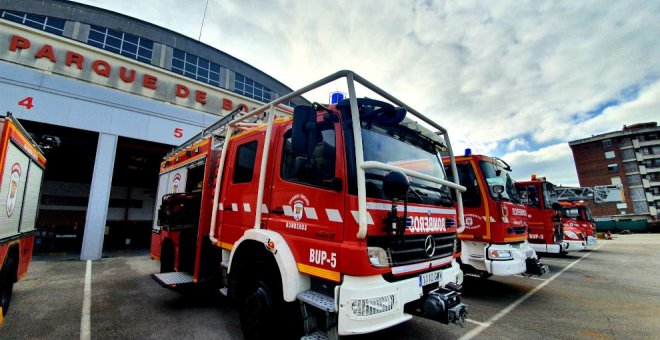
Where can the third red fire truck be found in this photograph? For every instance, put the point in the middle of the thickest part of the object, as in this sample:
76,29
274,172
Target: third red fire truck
316,220
494,241
546,234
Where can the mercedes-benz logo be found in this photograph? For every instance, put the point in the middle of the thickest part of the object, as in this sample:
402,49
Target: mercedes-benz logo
429,246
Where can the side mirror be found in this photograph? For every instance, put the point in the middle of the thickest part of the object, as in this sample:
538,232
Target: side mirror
498,189
532,196
556,206
395,185
304,129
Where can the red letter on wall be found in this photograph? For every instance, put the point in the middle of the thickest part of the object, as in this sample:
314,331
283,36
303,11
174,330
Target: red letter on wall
149,82
18,42
244,107
182,91
227,104
126,78
101,68
46,52
200,97
76,58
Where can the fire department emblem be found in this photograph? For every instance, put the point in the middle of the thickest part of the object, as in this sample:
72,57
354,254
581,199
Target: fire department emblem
298,211
175,183
14,179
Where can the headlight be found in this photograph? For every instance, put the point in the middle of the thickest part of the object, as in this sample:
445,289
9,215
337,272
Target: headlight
364,308
378,257
570,234
495,254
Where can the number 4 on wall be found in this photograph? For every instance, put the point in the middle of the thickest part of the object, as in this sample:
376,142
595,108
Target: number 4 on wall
27,102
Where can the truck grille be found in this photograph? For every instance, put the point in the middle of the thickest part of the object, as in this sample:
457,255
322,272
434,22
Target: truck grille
411,250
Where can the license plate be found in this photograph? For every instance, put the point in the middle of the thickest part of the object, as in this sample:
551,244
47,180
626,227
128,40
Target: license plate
428,278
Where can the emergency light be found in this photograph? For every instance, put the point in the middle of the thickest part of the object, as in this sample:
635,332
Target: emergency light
468,151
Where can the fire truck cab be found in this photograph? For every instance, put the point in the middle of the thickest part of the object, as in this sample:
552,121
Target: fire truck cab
315,222
546,234
494,241
577,215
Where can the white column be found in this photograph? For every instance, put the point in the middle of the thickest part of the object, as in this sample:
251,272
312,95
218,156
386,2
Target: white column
99,197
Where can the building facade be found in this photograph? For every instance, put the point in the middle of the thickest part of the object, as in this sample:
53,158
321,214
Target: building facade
630,157
110,95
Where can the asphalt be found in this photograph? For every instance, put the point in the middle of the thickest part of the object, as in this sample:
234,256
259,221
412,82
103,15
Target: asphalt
612,292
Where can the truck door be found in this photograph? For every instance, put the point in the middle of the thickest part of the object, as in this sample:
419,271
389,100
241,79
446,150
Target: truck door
477,223
240,185
308,189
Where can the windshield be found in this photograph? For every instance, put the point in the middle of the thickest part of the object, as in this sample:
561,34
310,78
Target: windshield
570,213
497,175
549,195
404,148
587,214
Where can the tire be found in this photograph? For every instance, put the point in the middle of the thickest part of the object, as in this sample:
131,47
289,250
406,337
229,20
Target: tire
257,308
264,313
7,284
167,258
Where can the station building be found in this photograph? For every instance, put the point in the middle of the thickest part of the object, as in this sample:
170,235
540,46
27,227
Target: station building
630,157
108,96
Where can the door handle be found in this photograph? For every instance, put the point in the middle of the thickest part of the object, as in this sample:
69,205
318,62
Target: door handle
278,211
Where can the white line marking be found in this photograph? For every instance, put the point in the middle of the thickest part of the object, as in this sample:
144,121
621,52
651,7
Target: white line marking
477,322
545,259
471,334
531,277
85,330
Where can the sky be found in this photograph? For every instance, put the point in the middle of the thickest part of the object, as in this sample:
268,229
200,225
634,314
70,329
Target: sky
512,79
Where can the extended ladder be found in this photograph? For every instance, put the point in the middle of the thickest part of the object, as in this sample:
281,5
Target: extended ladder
598,193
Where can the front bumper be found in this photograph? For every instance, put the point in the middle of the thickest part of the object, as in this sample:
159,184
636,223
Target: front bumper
356,290
554,248
575,245
516,265
591,241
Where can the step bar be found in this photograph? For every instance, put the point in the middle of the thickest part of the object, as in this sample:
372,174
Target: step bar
173,279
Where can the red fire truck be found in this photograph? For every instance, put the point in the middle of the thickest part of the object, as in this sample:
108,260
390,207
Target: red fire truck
22,163
546,234
494,241
315,222
577,215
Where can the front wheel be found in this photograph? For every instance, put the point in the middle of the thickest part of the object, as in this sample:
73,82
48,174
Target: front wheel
257,309
6,284
264,313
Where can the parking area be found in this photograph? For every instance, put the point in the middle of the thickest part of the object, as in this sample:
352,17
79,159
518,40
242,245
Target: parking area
609,293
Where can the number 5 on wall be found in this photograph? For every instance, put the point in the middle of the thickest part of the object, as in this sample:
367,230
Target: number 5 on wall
178,132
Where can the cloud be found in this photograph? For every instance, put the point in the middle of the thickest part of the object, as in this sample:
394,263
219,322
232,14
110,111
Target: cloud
554,162
495,74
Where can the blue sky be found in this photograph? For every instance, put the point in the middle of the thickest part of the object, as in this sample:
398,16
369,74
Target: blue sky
513,79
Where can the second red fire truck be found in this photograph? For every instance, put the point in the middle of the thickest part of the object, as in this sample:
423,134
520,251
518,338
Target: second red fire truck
494,241
318,220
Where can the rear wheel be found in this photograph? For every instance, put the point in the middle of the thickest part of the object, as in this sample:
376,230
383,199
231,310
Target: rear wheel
167,257
7,278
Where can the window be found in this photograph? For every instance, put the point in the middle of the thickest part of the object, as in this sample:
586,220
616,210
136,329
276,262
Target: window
195,67
615,180
609,154
549,195
316,167
128,45
249,88
468,179
613,167
245,156
48,24
607,142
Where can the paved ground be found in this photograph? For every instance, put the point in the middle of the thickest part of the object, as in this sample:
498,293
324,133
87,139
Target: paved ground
610,293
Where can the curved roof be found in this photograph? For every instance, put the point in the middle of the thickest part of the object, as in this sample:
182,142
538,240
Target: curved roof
76,12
